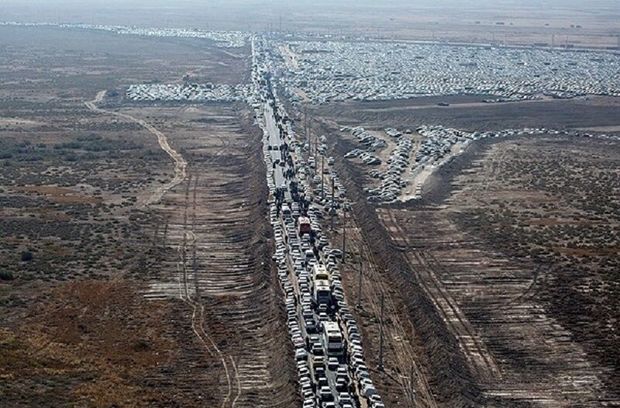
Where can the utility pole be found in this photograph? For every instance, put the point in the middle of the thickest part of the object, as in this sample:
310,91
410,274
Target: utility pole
331,210
155,234
411,384
322,175
359,285
381,335
316,141
195,272
344,236
306,127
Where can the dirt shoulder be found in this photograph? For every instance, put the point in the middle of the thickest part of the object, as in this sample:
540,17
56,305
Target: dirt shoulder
497,267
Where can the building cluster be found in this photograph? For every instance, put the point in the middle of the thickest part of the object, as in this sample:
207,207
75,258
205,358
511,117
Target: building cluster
222,39
186,92
339,70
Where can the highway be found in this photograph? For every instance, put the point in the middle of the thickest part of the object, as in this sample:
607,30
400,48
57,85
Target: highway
331,369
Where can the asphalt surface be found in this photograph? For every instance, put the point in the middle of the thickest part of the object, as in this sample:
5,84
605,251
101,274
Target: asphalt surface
275,140
298,288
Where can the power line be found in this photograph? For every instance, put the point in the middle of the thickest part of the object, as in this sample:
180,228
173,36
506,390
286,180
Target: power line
381,367
344,236
359,284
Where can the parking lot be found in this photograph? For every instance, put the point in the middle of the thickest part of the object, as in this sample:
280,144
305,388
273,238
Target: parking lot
341,70
411,156
185,92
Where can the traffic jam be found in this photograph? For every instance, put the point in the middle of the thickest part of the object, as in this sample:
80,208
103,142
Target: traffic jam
326,338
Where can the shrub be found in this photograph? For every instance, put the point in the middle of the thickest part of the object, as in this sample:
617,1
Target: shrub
26,256
6,275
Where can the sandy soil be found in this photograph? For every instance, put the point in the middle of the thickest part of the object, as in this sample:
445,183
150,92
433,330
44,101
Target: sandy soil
117,303
493,295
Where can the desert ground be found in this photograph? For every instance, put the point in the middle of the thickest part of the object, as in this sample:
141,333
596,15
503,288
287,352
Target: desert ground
504,270
113,261
136,250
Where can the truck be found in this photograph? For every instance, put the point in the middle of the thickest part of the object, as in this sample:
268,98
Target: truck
304,226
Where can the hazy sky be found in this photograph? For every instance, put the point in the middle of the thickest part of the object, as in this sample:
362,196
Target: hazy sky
258,14
193,4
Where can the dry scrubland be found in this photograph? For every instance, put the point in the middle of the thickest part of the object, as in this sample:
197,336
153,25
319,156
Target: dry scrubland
500,286
106,301
507,267
526,246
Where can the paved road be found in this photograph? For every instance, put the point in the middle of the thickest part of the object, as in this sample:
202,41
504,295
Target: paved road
274,139
297,280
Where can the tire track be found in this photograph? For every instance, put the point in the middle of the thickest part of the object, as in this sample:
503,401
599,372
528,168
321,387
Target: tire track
480,349
234,402
197,320
422,385
180,165
488,173
180,174
451,313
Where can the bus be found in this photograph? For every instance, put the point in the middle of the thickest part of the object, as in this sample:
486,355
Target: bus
320,272
322,292
332,339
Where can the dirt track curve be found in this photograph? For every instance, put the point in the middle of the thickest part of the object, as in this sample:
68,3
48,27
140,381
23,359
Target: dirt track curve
180,165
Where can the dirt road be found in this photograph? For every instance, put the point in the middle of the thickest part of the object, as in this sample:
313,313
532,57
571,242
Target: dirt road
189,241
180,165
